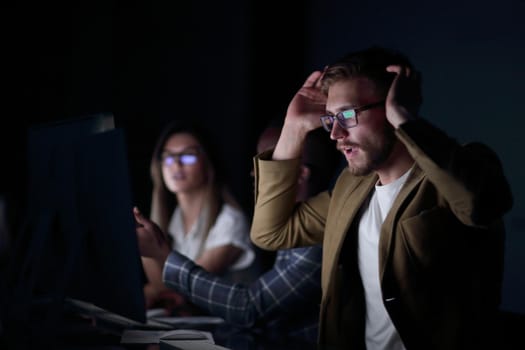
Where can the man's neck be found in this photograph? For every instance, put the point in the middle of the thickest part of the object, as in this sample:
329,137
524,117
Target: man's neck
399,162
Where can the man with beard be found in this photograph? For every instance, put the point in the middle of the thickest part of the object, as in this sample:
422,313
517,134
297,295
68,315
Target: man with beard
412,230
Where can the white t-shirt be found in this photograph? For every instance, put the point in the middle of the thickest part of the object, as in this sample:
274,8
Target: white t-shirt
380,331
231,227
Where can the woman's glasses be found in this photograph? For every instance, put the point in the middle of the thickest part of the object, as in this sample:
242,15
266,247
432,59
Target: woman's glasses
184,158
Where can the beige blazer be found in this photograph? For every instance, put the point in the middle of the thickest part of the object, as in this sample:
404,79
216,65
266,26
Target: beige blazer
440,250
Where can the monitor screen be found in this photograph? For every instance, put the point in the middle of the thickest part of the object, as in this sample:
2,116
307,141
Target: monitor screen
78,239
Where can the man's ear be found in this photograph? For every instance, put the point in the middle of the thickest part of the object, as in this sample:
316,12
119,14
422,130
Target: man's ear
304,174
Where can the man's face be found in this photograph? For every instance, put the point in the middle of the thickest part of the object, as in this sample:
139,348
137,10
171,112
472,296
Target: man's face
368,145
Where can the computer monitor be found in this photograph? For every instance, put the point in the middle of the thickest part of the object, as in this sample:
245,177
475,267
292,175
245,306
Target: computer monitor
78,239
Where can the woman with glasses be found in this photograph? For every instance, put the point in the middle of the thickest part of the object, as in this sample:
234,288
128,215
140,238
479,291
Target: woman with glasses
193,207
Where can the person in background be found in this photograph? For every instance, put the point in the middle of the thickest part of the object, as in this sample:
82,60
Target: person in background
191,204
412,231
5,243
285,299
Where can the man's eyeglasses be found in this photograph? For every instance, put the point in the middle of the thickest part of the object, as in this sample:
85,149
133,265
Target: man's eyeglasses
184,158
347,118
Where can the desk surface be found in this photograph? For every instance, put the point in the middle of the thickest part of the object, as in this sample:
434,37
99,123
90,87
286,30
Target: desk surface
84,336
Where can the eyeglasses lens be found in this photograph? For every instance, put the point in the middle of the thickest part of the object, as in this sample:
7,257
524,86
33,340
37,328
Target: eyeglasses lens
184,159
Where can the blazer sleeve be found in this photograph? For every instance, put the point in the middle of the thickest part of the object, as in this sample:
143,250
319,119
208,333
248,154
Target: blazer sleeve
470,177
278,221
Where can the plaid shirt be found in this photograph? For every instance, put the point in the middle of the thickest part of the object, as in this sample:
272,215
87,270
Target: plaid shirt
284,299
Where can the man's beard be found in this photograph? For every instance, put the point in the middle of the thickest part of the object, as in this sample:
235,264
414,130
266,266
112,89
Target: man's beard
375,153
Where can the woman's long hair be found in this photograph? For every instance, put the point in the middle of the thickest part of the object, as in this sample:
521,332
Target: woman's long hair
163,202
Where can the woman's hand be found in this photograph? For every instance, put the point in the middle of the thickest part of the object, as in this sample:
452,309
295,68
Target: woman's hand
152,241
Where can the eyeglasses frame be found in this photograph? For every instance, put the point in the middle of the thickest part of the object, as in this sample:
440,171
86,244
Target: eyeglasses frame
177,157
342,121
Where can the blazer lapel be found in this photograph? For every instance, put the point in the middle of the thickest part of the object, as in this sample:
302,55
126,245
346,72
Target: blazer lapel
388,227
349,202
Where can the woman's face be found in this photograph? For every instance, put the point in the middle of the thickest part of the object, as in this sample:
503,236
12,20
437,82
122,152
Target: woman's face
183,164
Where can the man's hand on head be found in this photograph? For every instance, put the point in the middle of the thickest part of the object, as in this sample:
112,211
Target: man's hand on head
303,115
404,97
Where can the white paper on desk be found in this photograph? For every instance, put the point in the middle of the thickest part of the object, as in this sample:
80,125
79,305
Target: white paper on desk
189,345
156,312
134,336
101,314
201,320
